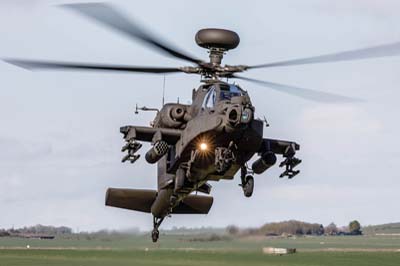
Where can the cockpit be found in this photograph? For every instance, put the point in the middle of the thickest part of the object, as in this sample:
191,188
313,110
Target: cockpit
229,91
221,92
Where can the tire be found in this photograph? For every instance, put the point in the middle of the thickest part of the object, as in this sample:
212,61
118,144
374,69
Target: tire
248,186
154,235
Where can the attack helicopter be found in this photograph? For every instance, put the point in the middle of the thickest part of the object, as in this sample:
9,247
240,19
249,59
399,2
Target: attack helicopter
215,136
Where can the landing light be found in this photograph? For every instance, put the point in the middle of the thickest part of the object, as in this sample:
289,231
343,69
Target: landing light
203,146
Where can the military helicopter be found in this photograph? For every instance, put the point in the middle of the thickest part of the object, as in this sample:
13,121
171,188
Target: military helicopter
209,140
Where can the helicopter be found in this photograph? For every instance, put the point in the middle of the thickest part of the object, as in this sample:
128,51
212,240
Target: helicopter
215,136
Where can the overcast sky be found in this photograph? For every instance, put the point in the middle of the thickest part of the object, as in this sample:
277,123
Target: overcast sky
59,133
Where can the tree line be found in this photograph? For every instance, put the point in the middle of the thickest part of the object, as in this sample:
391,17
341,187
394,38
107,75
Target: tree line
37,230
294,227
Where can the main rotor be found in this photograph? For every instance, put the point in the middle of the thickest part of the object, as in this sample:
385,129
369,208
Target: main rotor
217,41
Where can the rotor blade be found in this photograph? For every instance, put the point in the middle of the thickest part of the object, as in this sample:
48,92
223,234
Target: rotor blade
386,50
33,65
107,15
307,94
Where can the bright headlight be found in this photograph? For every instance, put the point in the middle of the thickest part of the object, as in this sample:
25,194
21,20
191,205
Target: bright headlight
203,146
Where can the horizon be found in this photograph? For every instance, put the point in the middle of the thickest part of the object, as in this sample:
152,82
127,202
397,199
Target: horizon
140,230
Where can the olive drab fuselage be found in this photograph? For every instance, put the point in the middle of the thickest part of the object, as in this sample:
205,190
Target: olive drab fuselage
209,140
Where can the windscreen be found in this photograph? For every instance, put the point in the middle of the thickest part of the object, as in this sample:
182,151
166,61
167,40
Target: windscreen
229,91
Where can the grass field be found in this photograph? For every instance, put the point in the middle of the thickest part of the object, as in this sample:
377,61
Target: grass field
180,250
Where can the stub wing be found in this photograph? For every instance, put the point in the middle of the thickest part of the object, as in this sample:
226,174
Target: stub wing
278,146
161,138
151,134
132,199
142,200
282,147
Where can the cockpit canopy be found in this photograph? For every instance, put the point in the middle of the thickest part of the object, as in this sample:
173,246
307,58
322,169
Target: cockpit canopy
221,92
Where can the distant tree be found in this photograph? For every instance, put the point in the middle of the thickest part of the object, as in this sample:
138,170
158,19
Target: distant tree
321,230
43,229
292,227
232,229
355,228
331,229
4,233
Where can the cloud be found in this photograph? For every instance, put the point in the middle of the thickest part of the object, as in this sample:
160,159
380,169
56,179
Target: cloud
336,128
353,117
20,4
18,150
372,8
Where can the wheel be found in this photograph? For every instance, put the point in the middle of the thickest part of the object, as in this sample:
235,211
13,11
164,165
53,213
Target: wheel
248,186
154,235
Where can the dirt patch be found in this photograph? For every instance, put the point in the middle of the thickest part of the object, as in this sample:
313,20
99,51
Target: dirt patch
55,248
350,250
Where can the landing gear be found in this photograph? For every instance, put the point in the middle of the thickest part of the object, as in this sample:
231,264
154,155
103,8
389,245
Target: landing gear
248,186
172,202
156,224
179,179
247,182
154,235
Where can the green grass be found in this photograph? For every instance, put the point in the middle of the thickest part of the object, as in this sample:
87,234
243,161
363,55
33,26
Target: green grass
177,250
187,258
392,228
178,241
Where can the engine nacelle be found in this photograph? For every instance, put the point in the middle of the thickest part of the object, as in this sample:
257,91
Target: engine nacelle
266,160
173,116
159,149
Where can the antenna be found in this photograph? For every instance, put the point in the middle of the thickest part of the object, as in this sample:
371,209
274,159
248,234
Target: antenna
266,122
136,110
163,92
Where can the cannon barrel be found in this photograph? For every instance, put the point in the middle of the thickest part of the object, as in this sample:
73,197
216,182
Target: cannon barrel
266,160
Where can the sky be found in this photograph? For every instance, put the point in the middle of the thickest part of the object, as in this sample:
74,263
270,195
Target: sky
59,133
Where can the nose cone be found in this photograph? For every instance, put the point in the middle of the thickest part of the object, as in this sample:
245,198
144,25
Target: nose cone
217,38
